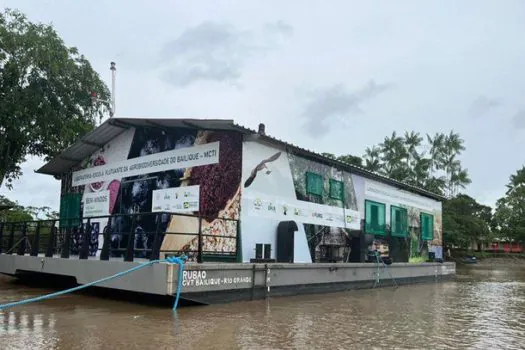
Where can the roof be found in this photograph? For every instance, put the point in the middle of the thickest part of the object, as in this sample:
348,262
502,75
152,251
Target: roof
113,127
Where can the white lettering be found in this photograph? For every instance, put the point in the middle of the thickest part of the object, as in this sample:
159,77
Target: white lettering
199,278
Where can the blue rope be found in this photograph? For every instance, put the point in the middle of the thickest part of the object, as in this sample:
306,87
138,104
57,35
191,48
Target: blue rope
380,262
172,260
179,261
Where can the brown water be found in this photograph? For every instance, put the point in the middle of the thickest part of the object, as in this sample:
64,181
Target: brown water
481,309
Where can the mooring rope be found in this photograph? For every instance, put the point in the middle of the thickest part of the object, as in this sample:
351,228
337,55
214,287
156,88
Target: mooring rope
379,261
171,260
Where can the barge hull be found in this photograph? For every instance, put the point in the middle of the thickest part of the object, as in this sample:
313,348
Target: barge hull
211,283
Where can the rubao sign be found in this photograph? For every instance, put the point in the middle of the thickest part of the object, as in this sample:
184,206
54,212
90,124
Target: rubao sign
163,161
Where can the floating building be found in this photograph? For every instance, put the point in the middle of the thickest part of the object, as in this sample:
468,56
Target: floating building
236,201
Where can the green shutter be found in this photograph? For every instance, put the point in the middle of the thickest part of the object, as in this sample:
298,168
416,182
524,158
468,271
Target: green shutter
70,210
314,184
375,218
398,221
337,189
427,226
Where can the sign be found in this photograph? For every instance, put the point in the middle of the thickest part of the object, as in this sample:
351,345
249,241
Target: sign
96,204
305,212
178,199
163,161
374,190
200,278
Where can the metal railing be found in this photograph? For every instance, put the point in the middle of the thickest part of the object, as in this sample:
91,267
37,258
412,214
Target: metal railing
129,236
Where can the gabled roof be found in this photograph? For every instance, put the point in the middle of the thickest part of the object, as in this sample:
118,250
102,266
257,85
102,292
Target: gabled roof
113,127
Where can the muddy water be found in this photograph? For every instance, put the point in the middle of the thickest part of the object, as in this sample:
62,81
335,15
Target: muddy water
481,309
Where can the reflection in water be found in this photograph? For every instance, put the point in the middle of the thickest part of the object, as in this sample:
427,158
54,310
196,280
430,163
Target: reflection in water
480,310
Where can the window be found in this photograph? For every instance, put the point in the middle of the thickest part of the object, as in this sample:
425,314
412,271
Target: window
398,221
314,184
337,189
375,218
427,226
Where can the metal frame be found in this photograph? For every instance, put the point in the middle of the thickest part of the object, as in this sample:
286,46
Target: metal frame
46,237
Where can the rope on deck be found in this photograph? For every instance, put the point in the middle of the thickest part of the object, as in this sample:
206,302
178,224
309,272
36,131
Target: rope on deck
171,260
379,263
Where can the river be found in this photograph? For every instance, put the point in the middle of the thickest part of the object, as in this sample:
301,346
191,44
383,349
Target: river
480,309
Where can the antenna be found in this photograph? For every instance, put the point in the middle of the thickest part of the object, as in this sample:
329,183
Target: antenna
111,102
113,69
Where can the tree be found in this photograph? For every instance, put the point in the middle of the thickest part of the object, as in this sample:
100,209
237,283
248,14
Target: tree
328,155
509,217
18,212
466,221
45,93
352,160
434,166
15,213
349,159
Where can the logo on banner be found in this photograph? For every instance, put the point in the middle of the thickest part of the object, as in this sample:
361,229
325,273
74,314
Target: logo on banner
272,207
349,219
257,204
317,215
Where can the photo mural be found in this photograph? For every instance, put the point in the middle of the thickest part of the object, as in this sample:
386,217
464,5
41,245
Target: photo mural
320,183
411,247
213,173
274,190
136,171
329,207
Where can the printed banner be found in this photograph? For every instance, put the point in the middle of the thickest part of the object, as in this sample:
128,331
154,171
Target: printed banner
374,190
96,204
177,200
304,212
175,159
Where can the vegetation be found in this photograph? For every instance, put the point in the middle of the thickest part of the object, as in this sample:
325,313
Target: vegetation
509,216
434,165
45,89
466,221
21,213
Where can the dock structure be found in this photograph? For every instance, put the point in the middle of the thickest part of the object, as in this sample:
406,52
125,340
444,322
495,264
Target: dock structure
255,216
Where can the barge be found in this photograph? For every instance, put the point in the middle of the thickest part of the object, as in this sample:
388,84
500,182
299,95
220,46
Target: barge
255,216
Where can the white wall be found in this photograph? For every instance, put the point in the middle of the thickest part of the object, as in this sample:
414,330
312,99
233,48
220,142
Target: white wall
278,182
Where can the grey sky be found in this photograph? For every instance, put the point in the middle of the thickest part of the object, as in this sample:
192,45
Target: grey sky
359,69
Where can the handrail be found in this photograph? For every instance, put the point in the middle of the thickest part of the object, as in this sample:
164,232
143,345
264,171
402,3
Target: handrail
50,237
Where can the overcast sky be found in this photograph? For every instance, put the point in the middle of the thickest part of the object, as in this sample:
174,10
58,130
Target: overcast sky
331,76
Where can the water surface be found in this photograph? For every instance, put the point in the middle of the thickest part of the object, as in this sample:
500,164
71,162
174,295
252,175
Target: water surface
481,309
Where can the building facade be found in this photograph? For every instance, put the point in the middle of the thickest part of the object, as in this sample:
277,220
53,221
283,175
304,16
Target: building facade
235,186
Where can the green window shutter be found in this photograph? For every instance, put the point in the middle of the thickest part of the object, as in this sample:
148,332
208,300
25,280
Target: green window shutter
70,210
314,184
375,218
337,190
427,226
398,221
